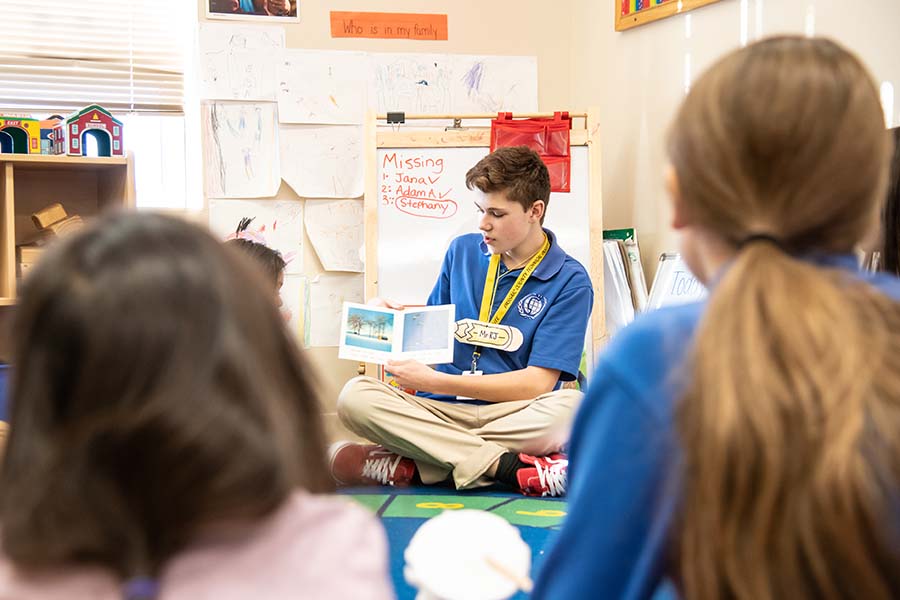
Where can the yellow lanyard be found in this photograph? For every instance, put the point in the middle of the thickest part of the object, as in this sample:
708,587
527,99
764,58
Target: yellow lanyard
490,284
490,289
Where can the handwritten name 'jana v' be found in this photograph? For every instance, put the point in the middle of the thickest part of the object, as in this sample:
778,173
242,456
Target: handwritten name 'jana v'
427,180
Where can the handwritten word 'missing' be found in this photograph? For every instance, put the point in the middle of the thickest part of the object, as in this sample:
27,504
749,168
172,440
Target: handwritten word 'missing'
436,165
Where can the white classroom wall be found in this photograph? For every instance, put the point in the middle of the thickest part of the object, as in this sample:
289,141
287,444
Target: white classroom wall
475,27
637,79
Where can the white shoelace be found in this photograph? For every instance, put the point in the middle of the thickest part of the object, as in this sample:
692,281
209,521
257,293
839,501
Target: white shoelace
553,477
381,469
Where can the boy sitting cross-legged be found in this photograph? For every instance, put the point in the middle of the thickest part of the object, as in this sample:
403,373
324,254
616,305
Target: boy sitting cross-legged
490,415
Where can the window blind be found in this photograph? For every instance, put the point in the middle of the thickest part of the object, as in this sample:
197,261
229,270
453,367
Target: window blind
57,56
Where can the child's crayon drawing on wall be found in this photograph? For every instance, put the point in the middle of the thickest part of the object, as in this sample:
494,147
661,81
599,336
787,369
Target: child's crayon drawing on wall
441,83
241,150
236,61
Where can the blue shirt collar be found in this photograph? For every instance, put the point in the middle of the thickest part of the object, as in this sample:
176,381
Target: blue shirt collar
551,264
846,262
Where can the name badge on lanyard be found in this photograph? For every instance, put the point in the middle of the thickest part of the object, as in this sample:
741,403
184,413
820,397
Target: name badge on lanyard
486,331
488,335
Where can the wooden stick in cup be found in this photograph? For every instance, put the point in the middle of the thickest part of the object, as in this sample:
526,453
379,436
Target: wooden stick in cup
523,582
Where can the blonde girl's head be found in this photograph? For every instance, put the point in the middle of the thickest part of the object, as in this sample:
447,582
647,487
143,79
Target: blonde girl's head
791,421
784,137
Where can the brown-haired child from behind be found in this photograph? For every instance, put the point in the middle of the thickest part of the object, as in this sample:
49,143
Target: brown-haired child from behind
165,435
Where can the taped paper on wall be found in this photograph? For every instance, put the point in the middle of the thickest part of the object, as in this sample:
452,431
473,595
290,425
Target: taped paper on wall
494,83
322,161
240,150
325,87
413,83
335,229
276,223
454,83
239,62
327,294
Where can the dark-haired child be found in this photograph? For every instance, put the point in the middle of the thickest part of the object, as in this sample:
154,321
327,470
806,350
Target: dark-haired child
166,439
269,260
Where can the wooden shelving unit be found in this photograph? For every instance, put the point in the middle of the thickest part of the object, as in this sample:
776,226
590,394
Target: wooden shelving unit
84,186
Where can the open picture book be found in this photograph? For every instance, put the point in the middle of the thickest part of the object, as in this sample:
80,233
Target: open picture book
376,335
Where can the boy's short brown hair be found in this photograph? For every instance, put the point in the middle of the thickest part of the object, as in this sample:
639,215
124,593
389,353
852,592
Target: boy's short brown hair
516,170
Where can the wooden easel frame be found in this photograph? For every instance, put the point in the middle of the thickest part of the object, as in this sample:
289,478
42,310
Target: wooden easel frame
654,13
378,135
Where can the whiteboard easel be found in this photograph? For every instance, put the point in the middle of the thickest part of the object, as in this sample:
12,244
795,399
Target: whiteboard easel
674,283
389,150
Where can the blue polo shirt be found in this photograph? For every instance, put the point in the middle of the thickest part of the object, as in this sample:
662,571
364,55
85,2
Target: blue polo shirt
623,456
551,310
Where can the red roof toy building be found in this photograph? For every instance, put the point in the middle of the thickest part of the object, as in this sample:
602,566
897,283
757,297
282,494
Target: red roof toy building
97,122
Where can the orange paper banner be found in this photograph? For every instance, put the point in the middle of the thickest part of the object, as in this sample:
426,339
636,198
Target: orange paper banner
407,26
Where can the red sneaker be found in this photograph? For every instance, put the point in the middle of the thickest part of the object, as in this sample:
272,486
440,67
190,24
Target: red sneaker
547,477
362,464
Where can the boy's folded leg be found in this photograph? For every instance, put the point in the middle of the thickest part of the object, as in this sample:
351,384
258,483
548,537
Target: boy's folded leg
437,435
540,428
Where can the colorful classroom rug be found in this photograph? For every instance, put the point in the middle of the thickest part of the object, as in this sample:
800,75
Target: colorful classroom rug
403,511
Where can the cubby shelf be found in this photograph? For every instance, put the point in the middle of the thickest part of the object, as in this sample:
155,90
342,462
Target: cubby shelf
28,182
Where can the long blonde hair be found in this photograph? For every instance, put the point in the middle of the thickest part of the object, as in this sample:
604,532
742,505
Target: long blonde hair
791,421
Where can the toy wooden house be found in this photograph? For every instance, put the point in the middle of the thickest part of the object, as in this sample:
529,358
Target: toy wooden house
53,136
20,135
97,122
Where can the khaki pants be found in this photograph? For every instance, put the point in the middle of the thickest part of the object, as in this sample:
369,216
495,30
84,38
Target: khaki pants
459,439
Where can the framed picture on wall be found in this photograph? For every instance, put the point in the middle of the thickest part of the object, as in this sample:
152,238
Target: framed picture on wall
253,10
631,13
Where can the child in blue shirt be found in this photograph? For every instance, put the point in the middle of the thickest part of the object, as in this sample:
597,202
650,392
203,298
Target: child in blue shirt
889,250
490,415
747,447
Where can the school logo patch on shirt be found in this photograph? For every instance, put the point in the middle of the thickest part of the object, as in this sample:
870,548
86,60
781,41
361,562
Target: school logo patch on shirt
531,305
